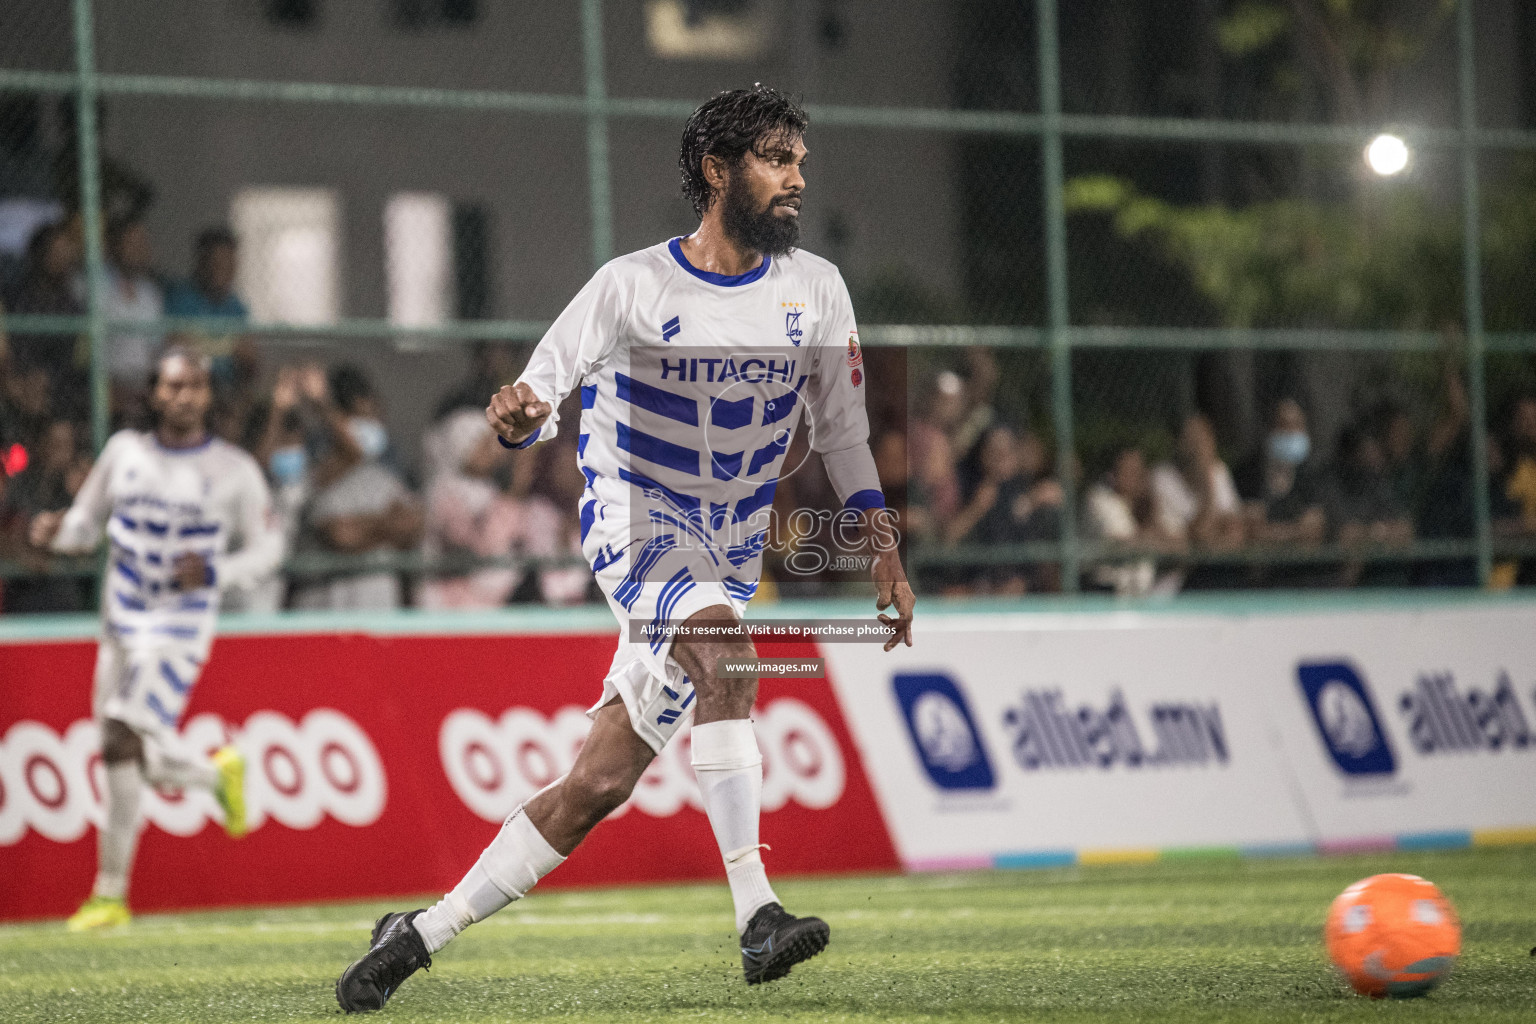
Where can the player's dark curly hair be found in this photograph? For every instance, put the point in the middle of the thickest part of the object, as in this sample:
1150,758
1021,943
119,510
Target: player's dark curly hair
729,126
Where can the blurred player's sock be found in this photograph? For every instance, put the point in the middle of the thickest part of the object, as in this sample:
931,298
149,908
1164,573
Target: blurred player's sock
516,859
729,768
172,763
119,834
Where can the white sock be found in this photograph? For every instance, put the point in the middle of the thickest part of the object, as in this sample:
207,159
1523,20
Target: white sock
119,835
729,768
516,859
170,762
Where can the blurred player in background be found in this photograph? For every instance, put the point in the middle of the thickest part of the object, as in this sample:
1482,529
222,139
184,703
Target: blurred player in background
695,358
186,516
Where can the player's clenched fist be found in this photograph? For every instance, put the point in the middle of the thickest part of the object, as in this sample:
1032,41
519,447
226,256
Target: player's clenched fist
515,412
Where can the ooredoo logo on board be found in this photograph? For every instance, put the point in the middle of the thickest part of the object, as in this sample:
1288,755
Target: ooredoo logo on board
494,764
297,774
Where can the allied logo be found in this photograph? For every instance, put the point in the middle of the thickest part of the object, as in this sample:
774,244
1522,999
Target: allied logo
855,353
1346,718
671,328
943,731
856,375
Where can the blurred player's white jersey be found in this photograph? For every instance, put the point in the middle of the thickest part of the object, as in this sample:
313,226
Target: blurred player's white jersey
692,386
155,504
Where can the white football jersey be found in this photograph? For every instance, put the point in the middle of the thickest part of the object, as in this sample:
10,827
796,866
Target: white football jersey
154,504
692,386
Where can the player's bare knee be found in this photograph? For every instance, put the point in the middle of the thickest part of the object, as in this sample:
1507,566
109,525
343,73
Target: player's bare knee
597,794
120,743
724,691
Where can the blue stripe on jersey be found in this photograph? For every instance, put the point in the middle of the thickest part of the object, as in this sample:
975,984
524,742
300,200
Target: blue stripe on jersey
682,502
656,450
740,554
671,592
759,498
650,553
768,453
581,444
133,604
160,710
657,400
198,530
689,525
179,632
158,529
779,407
725,467
132,524
730,415
607,557
128,573
588,395
170,676
739,589
588,517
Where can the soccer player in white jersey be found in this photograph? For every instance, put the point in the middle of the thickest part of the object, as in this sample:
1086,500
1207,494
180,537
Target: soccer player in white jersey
696,359
186,516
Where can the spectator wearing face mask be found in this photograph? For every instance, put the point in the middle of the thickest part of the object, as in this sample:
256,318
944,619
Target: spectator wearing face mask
360,505
1282,495
278,434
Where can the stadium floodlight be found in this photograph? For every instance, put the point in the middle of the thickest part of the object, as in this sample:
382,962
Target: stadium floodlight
1387,155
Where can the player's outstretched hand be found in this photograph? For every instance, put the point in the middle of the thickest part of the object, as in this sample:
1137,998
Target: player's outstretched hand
515,412
44,527
892,588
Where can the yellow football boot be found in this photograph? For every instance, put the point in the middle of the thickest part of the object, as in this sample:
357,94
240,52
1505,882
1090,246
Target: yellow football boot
99,912
230,791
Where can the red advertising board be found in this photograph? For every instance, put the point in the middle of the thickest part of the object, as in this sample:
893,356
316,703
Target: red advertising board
382,765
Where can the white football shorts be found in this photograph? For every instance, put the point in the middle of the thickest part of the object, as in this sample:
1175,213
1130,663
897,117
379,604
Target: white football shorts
657,583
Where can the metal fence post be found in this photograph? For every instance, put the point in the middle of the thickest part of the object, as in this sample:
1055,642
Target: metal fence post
1049,58
1472,285
597,131
86,93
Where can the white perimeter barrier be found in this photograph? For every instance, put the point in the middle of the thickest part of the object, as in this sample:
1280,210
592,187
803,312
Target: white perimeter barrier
1020,739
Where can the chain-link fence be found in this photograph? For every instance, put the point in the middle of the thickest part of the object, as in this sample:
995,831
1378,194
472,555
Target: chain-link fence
1143,312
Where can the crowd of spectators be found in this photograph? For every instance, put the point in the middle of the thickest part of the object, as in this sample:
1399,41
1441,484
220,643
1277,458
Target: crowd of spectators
981,498
1291,514
485,527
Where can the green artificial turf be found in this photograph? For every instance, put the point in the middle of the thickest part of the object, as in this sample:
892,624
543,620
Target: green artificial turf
1199,940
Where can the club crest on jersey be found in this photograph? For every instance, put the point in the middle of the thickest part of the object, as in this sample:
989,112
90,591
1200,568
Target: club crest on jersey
792,329
671,328
855,353
857,376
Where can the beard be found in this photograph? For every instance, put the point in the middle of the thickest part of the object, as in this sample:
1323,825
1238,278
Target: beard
757,228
